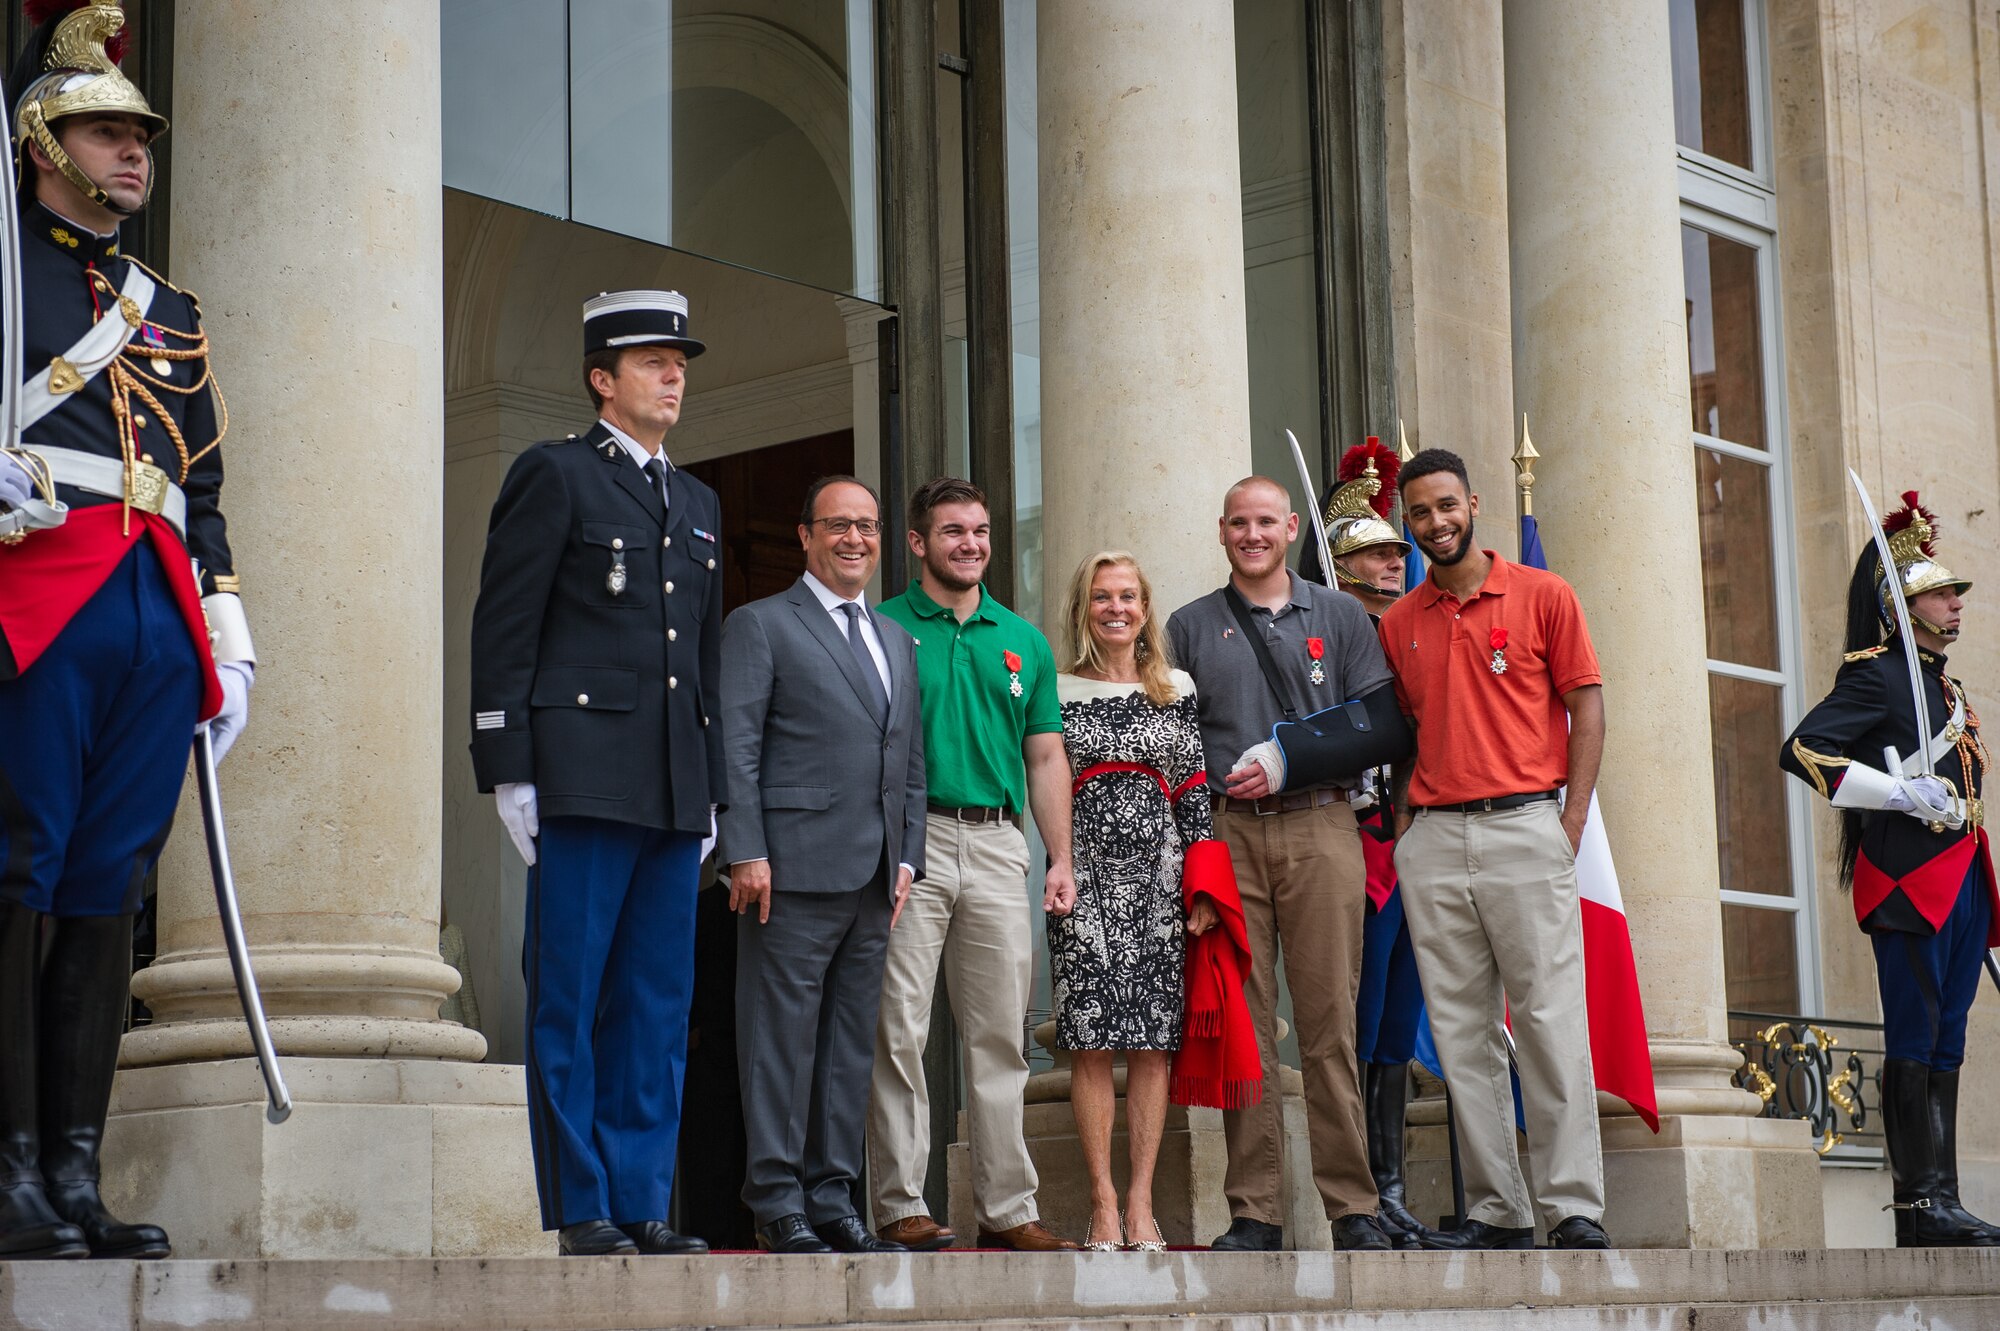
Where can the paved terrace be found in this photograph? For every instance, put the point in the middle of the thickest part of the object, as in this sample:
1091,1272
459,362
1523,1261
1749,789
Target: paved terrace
1827,1290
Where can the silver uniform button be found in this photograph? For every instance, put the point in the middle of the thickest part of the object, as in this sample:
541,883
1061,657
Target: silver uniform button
668,544
670,589
672,635
583,700
618,543
711,563
673,683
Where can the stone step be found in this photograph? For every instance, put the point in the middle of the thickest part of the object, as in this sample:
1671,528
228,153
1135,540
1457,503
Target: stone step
1824,1290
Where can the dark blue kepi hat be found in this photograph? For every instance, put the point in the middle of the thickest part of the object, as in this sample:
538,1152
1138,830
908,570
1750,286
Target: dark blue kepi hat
614,319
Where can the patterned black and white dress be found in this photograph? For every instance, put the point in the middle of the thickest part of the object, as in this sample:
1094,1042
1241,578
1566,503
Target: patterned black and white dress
1116,960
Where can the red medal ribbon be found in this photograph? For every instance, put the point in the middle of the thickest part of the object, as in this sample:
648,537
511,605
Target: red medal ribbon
1498,640
1013,661
1315,648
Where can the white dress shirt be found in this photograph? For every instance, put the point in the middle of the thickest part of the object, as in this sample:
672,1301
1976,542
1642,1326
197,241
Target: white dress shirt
833,602
639,454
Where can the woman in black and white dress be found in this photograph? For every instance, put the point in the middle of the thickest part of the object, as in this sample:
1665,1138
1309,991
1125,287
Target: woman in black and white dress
1117,959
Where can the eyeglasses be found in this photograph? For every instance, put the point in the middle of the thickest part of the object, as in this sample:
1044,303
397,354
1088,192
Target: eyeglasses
842,526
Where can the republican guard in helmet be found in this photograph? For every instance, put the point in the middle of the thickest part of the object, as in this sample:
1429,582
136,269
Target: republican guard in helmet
1368,555
120,624
1914,852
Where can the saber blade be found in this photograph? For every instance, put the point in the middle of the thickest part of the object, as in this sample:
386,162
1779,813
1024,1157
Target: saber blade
279,1107
1908,634
1312,507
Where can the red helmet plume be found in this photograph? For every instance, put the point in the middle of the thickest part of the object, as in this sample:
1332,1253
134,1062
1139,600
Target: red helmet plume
1908,514
1354,462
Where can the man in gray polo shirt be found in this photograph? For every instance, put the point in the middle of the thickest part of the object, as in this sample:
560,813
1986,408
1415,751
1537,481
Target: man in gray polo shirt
1297,857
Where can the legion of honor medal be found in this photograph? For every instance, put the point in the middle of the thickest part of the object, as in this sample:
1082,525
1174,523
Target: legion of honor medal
1316,648
1497,640
1013,673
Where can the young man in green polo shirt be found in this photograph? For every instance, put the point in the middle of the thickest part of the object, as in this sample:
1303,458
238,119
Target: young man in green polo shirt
992,745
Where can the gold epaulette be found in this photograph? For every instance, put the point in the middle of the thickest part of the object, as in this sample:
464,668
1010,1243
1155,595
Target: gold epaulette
1865,653
162,280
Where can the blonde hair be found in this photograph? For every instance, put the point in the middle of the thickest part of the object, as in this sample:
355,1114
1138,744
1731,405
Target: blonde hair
1083,652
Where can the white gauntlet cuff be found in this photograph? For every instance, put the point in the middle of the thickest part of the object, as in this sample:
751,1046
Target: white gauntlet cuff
1865,787
228,628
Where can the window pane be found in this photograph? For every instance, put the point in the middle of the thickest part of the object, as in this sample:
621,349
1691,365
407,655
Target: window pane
1760,961
1280,283
1711,78
1750,810
505,102
1738,582
1725,345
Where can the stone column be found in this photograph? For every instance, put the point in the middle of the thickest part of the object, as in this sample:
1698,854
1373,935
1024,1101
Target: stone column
312,229
1601,368
1145,379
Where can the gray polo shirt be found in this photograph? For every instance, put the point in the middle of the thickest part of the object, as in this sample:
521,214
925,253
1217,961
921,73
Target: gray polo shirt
1234,703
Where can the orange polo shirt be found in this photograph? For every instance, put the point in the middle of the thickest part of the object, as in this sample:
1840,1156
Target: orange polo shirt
1483,733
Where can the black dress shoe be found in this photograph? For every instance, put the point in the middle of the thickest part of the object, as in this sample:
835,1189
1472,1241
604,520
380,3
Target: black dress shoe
1579,1231
655,1238
1477,1234
595,1238
1247,1235
789,1233
848,1234
1359,1233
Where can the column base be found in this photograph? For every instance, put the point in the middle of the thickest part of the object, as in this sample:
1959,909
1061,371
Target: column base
1188,1195
1704,1181
380,1158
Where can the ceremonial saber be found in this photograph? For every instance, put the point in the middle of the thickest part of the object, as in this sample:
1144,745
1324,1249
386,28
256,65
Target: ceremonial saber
280,1107
1312,506
1895,585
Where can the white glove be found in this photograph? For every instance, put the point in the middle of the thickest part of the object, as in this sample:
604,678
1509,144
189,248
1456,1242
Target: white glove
1269,757
1926,799
708,842
15,487
236,678
515,801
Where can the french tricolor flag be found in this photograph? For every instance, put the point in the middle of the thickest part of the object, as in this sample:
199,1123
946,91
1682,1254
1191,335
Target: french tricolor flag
1619,1055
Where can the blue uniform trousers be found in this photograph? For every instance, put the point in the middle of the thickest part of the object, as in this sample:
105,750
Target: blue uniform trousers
96,739
609,956
1928,984
1390,1005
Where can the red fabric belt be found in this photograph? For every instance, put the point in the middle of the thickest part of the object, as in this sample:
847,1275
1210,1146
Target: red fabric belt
1172,792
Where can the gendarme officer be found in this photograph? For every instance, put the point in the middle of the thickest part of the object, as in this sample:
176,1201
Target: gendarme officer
1914,853
113,643
595,661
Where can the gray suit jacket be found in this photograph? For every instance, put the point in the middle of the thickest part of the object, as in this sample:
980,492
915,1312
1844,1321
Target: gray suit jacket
815,785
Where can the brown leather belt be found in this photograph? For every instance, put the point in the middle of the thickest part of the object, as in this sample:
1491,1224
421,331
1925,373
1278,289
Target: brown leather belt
1270,804
970,814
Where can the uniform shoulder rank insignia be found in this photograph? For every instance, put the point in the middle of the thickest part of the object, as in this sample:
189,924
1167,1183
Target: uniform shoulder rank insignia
1865,653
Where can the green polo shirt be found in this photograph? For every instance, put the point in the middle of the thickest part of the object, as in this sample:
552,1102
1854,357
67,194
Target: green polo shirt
974,718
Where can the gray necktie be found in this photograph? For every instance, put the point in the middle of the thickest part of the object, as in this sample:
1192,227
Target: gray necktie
876,693
656,475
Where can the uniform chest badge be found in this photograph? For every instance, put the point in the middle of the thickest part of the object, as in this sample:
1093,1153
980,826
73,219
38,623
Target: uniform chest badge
615,581
1497,640
1316,649
1013,664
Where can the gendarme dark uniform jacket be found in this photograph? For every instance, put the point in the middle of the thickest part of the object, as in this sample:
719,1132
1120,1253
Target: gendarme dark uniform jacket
1907,876
606,699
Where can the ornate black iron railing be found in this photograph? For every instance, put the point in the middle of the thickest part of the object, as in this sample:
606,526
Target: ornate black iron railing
1826,1072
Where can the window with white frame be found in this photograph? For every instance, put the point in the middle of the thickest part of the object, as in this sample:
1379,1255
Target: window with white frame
1741,461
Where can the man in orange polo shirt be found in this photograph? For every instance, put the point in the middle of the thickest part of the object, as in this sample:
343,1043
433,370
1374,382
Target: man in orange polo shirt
1495,669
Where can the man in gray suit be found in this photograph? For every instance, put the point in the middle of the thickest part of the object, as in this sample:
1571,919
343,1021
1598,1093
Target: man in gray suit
823,835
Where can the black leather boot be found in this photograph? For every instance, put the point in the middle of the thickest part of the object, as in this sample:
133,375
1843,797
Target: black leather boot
1921,1221
29,1226
1385,1090
1944,1134
85,997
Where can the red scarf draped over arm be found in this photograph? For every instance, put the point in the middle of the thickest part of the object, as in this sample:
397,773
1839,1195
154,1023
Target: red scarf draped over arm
1217,1064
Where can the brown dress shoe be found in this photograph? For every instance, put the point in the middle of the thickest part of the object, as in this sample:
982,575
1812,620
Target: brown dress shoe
918,1233
1031,1237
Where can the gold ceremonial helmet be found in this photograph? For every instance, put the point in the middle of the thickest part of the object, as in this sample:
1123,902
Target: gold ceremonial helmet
77,75
1357,512
1912,532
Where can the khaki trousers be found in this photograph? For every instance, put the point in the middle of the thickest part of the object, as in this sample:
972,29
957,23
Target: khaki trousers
1304,887
1494,917
971,913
